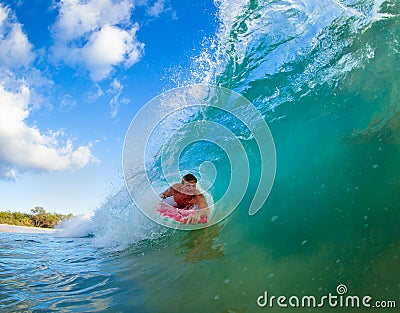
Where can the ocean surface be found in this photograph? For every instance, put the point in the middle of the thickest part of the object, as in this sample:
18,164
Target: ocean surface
325,75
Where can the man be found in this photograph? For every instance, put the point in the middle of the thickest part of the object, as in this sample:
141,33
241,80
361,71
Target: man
186,197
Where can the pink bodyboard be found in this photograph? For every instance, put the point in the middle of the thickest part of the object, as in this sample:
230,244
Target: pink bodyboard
179,215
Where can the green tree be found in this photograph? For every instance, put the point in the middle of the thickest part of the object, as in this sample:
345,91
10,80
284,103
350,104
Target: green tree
38,217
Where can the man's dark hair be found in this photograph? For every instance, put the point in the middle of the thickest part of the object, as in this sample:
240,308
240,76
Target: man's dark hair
190,178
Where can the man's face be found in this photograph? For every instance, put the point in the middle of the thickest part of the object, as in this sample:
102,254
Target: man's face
188,188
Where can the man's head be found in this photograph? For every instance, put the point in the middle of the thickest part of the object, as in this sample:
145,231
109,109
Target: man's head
189,182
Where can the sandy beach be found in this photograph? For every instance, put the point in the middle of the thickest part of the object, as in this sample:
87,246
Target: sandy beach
24,229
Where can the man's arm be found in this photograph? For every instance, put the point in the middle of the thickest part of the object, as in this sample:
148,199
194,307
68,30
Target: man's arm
169,192
203,205
166,193
204,210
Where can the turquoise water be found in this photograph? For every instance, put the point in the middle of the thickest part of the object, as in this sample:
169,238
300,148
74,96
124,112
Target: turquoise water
326,77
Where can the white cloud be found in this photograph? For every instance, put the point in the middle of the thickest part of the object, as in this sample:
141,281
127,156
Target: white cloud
109,47
25,148
116,100
67,103
78,18
96,35
15,48
157,8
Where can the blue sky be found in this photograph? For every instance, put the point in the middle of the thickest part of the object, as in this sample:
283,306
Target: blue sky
72,76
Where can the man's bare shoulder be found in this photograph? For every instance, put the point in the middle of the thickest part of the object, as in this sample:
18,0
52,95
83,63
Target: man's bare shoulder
197,193
177,187
201,200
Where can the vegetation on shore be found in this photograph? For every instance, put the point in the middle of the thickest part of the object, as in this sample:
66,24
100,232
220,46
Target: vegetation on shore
37,218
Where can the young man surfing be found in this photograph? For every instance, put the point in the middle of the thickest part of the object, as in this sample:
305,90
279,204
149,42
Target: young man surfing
187,197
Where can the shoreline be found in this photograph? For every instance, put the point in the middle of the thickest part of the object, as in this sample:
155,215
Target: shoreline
25,229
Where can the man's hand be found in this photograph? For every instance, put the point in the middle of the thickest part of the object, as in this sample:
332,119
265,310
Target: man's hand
193,219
